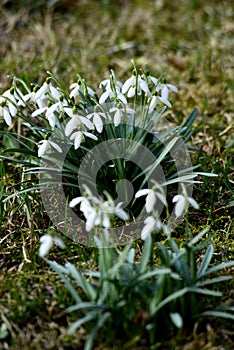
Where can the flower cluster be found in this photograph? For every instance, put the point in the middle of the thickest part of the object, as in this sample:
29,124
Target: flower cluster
83,117
98,212
53,104
156,193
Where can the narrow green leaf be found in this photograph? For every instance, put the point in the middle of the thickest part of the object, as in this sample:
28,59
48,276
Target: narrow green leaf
88,289
205,262
217,313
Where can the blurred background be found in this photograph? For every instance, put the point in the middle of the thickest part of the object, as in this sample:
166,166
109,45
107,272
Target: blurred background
192,41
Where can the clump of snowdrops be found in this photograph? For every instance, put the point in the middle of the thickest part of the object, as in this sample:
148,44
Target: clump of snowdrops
107,138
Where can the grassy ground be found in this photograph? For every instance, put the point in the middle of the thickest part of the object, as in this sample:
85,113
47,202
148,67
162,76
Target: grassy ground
191,41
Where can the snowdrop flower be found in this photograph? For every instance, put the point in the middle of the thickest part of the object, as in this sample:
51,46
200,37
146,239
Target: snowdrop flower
76,121
97,211
164,88
151,79
135,85
30,97
182,203
153,224
76,88
45,146
119,113
78,137
109,93
42,93
9,97
5,113
47,242
156,100
151,198
97,120
107,84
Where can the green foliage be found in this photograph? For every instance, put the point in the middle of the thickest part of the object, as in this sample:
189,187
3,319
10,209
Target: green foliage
135,298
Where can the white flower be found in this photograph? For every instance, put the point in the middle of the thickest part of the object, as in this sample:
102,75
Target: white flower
153,224
78,137
107,84
4,112
76,121
78,87
47,242
151,198
112,95
135,85
119,113
182,203
41,95
164,88
11,101
97,211
44,146
156,99
97,120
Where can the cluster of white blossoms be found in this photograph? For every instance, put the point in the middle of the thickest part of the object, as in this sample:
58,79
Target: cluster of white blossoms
98,212
53,105
153,222
80,115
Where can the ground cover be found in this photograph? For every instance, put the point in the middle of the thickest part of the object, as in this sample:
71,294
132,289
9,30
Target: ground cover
192,42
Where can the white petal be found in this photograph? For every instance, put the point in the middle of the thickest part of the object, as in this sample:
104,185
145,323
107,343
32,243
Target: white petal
97,120
106,220
90,221
131,91
172,87
150,201
46,244
71,125
121,214
117,117
59,242
54,92
86,122
12,109
6,116
129,82
161,197
180,206
38,111
75,201
142,192
57,147
122,98
148,228
104,96
153,79
44,146
143,85
176,198
193,203
43,89
165,101
91,136
73,85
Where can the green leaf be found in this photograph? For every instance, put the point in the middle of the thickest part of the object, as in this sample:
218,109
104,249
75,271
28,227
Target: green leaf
90,339
60,271
216,313
145,255
88,289
205,262
198,237
90,316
